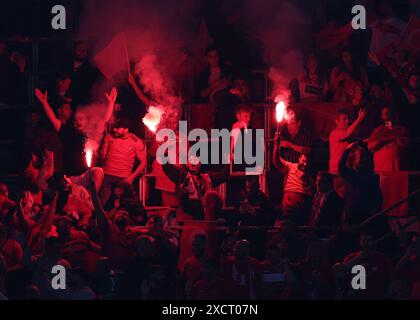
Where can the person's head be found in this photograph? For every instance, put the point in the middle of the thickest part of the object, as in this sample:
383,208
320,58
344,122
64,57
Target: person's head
294,123
324,182
121,218
414,81
64,111
81,51
80,121
4,190
360,160
63,225
342,119
243,114
198,245
155,223
241,88
241,250
63,83
171,117
121,190
346,57
387,114
122,128
213,58
305,162
53,248
312,63
376,92
193,165
367,241
252,186
356,93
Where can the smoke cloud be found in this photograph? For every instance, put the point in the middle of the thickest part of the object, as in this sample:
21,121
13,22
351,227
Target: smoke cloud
282,32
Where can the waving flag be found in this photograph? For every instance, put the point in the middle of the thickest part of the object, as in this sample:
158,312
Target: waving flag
114,57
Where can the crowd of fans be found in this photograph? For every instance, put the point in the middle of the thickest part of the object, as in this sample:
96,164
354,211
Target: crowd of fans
90,219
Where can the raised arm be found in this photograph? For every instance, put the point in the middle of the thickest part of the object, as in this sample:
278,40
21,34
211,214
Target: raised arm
43,99
218,178
353,127
111,97
138,91
172,172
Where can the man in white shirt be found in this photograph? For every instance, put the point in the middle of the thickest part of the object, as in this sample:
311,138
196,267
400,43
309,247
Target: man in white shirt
299,185
340,136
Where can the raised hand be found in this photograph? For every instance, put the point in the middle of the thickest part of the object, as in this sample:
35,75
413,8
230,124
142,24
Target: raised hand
362,113
42,97
111,97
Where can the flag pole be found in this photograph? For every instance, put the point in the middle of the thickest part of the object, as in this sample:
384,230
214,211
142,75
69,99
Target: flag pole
126,53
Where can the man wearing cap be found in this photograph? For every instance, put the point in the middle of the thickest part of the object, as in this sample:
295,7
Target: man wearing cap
193,184
119,152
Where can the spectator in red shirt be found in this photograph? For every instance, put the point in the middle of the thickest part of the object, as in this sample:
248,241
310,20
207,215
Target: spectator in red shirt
387,142
120,150
340,137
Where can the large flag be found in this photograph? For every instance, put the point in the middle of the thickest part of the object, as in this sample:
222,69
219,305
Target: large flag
114,57
411,36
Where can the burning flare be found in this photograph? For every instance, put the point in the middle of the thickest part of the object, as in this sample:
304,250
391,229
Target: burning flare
90,147
152,119
89,154
280,110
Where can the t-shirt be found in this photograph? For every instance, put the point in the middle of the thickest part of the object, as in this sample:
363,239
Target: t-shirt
120,155
337,148
303,139
296,180
74,161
